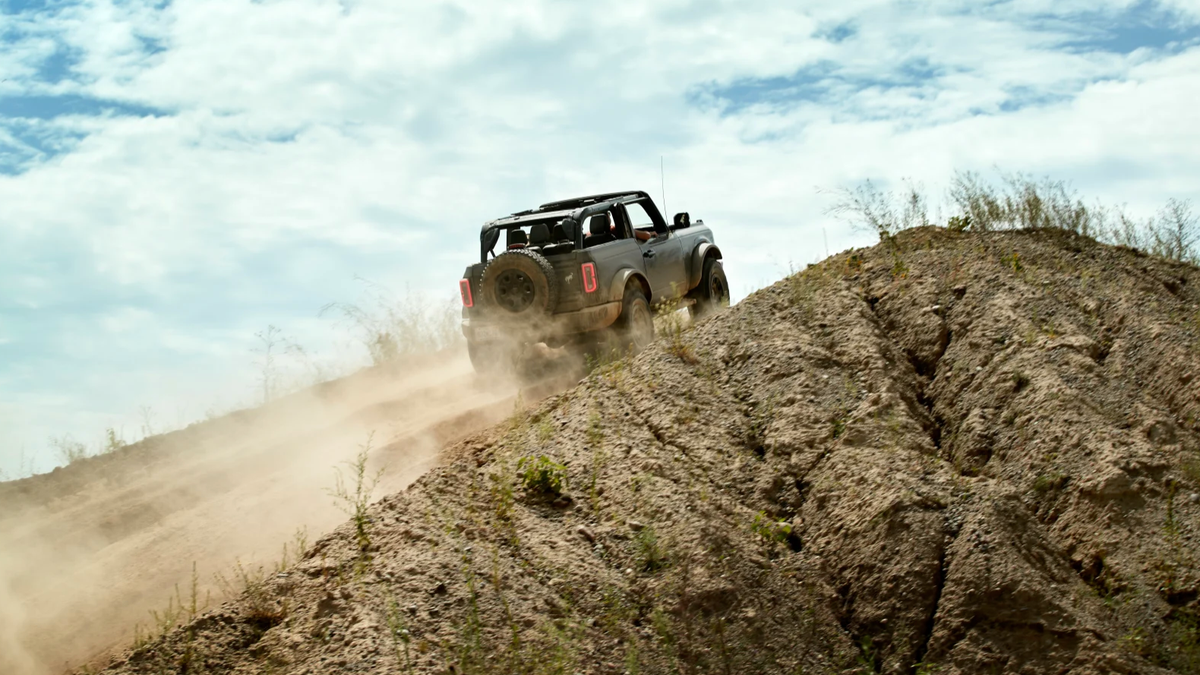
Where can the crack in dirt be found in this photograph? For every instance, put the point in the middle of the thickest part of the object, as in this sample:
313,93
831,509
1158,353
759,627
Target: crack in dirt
925,372
927,629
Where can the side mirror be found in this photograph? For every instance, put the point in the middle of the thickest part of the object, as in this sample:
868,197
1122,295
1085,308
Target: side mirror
682,220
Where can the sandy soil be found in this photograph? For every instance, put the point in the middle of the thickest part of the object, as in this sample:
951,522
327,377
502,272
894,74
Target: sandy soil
86,553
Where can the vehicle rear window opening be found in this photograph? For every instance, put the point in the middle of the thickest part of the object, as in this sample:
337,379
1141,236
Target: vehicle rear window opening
551,238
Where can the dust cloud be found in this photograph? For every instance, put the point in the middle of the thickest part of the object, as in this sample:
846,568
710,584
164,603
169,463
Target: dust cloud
87,552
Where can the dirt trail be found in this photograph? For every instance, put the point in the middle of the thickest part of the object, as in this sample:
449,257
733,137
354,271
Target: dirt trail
86,552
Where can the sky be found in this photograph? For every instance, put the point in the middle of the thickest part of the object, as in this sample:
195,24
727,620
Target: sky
177,175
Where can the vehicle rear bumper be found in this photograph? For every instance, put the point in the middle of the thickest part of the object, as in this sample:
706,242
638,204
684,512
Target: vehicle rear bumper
479,329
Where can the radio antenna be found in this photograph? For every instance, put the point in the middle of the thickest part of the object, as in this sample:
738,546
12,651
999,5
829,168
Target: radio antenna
662,177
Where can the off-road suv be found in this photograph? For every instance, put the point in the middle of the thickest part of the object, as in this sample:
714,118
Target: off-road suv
585,272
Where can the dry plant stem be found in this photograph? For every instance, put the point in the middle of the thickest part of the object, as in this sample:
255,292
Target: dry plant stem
353,495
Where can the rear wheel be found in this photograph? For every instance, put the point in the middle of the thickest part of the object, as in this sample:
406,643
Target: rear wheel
635,325
712,294
518,286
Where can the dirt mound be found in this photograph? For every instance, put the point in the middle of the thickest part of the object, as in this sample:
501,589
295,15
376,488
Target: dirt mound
947,454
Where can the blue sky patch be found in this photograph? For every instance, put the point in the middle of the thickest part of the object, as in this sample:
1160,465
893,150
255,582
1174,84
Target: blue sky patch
57,67
36,142
838,33
1020,98
49,107
1145,25
820,82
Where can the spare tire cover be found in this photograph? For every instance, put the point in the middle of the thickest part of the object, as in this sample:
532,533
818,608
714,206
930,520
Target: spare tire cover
519,284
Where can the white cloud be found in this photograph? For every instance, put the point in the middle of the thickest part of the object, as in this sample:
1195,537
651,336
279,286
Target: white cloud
296,144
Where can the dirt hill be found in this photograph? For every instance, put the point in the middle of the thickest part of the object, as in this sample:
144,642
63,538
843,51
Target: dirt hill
955,453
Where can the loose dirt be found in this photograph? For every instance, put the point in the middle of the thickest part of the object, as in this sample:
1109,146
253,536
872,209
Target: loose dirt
950,453
88,551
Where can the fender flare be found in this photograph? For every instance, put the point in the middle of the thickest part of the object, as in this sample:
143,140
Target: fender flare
703,250
622,278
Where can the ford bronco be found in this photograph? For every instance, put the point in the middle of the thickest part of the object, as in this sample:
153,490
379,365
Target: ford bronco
585,272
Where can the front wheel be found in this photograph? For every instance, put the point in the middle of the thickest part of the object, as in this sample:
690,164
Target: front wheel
635,326
713,292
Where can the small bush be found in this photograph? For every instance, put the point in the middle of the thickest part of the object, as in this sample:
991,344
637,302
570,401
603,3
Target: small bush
651,556
542,476
1012,261
1051,480
68,449
883,213
679,348
1182,649
391,328
771,531
253,584
353,497
1020,202
112,441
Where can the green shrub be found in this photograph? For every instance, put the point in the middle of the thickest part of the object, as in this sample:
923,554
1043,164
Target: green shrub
1051,480
651,555
771,531
542,476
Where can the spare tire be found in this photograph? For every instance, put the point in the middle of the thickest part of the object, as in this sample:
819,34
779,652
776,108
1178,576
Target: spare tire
519,284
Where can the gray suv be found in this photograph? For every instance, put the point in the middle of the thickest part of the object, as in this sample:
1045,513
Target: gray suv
583,273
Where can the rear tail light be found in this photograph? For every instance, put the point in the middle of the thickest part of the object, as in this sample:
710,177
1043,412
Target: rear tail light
589,277
464,289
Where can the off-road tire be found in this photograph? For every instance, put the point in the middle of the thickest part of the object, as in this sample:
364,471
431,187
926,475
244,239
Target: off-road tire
635,326
712,294
518,285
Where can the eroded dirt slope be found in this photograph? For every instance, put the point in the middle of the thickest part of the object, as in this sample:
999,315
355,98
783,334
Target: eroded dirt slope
86,552
949,454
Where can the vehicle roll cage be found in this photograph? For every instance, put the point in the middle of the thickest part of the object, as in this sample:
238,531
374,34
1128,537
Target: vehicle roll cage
571,213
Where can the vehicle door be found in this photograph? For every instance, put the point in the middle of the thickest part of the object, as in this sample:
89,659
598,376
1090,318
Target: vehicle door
610,253
662,254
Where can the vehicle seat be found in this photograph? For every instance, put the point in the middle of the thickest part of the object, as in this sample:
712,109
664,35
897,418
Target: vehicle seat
559,243
517,239
539,235
601,231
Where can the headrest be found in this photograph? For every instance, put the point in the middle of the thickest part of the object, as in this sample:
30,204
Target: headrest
601,223
539,234
517,237
558,232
